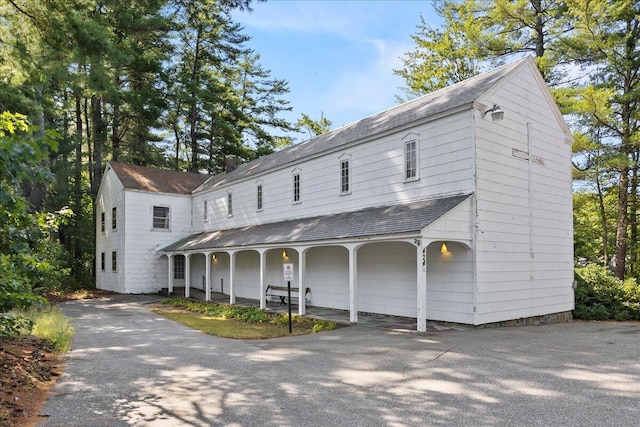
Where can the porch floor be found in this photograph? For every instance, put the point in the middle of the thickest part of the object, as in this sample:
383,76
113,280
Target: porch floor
390,323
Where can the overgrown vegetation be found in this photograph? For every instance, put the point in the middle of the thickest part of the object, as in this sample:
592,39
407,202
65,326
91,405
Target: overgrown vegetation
32,260
241,322
601,296
50,325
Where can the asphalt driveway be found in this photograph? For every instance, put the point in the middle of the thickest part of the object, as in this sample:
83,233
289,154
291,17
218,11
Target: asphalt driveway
129,366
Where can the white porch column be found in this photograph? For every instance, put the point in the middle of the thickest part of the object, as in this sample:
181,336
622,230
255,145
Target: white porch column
187,275
421,261
353,284
263,277
170,263
302,280
207,276
232,269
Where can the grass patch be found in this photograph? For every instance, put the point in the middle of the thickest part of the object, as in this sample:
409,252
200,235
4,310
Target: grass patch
50,325
230,321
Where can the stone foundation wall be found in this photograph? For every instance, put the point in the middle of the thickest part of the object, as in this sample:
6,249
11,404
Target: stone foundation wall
547,319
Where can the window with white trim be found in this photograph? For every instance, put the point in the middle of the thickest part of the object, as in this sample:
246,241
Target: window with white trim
114,261
114,218
345,183
102,221
229,204
259,197
296,188
178,267
411,160
103,265
161,217
205,211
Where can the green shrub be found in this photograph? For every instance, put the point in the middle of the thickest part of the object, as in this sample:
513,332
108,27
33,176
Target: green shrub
247,314
600,296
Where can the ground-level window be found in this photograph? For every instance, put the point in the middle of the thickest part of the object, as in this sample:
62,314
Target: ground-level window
161,217
114,261
411,160
178,267
259,196
296,188
229,204
103,266
102,226
114,218
344,176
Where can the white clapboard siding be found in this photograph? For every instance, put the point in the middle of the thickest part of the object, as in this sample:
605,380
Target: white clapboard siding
450,283
110,195
524,222
387,279
146,270
376,172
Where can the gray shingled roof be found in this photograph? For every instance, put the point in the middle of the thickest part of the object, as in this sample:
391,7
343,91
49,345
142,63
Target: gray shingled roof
157,180
395,219
449,98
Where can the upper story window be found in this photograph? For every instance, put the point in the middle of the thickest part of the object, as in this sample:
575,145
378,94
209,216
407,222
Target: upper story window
161,217
102,262
259,197
114,218
229,204
345,175
296,188
102,221
114,261
411,160
205,209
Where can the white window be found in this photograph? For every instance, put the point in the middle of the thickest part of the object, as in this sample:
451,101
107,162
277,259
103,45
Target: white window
296,188
114,261
411,160
114,218
102,226
205,209
178,267
161,217
229,204
345,187
259,196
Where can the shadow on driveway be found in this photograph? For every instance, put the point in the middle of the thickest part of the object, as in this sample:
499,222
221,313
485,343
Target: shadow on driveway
129,366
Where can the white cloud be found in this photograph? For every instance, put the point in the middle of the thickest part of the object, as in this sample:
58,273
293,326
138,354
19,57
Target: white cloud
372,86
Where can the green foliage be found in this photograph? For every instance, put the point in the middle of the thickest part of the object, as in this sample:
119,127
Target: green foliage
601,296
12,325
247,314
31,259
314,127
51,325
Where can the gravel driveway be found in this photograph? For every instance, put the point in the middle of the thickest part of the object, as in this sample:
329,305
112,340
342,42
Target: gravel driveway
129,366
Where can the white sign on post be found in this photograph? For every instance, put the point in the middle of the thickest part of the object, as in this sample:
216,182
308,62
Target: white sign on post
288,272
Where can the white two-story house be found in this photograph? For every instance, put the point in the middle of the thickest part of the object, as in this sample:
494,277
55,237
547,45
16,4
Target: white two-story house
456,206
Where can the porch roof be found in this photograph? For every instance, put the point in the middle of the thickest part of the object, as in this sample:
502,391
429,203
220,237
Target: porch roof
376,221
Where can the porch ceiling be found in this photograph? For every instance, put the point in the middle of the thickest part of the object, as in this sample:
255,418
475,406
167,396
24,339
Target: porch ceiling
385,220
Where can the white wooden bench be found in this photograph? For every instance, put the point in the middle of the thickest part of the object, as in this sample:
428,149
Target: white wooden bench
281,293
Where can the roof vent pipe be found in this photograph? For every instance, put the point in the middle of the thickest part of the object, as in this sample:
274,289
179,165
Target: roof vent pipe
230,164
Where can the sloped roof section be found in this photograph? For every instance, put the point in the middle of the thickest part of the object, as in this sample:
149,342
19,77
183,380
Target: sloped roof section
386,220
449,98
157,180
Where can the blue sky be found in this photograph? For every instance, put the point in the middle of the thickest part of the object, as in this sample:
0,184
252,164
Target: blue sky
338,56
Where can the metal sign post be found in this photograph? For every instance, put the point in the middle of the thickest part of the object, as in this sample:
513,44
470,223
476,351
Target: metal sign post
288,277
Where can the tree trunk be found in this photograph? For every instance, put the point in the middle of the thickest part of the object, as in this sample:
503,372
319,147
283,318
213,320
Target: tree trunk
99,137
621,226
